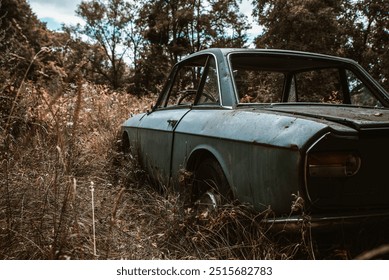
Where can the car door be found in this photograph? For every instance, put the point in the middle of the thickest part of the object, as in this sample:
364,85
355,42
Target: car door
156,130
156,138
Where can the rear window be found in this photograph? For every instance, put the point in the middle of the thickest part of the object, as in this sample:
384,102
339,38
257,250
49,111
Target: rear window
278,78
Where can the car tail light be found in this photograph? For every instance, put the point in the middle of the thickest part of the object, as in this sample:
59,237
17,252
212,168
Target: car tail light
333,164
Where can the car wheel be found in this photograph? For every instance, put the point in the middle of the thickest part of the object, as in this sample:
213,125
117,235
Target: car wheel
210,186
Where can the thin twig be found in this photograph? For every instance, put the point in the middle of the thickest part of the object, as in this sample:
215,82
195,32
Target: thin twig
92,189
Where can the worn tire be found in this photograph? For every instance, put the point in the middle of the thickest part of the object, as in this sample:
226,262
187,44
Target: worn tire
210,185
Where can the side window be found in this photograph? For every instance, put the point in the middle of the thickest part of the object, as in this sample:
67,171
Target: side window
360,95
185,85
194,77
210,90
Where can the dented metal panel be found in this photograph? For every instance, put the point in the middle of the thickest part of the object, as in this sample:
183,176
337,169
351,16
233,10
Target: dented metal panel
258,151
253,126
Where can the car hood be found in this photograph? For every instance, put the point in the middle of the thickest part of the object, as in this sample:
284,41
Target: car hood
359,118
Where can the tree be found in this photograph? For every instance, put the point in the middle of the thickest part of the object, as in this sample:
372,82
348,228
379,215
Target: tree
183,27
106,25
355,29
22,38
135,39
175,28
368,42
306,25
227,24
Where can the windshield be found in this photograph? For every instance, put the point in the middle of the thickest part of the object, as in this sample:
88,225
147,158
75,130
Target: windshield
264,78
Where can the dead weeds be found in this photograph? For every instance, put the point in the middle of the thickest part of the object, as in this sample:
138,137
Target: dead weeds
67,192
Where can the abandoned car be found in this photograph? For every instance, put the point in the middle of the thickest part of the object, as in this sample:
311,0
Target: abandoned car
266,126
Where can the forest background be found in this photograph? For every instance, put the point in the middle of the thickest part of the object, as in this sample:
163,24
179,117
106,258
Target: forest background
133,44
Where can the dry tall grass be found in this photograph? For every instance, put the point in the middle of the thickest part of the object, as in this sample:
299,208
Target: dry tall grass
62,145
58,151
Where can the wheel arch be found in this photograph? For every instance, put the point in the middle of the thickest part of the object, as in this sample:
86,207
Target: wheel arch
203,152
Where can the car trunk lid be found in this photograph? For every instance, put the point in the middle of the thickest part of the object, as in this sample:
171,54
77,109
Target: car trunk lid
360,118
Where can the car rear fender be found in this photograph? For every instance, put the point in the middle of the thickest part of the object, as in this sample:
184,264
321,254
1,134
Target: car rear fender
204,151
240,175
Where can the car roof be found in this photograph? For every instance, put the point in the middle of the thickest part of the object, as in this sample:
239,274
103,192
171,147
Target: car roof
227,51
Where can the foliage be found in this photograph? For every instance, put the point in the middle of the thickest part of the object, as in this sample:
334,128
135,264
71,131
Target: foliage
23,34
173,29
153,35
157,34
184,27
23,39
369,39
299,25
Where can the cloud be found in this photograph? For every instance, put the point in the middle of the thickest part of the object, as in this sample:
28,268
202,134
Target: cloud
246,8
56,12
69,5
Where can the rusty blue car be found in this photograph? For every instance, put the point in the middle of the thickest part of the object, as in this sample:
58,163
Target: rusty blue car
265,127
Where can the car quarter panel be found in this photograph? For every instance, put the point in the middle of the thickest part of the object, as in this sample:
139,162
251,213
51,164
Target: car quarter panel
130,130
253,147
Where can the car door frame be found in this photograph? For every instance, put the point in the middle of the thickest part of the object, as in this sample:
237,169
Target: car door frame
157,128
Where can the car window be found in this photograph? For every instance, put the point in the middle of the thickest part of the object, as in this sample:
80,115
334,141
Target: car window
325,86
195,76
319,86
258,86
185,85
261,78
360,95
210,91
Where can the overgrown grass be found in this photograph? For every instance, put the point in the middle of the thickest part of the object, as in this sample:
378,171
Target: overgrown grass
64,153
63,145
60,151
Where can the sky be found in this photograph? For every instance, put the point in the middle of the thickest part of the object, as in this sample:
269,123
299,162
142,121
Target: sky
58,12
